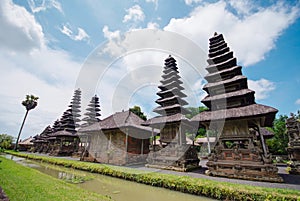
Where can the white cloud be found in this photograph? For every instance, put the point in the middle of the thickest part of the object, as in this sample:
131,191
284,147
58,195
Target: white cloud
261,87
153,1
110,35
65,30
28,66
251,37
20,31
190,2
80,36
152,25
243,7
298,101
135,14
38,6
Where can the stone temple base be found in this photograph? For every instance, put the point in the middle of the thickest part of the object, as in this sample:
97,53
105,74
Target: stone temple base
174,157
244,170
294,167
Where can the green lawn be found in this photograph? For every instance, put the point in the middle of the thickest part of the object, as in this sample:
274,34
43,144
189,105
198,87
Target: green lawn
26,184
197,186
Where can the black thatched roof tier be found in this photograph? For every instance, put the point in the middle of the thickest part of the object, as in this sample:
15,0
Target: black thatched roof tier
171,101
220,58
221,51
118,120
174,98
64,133
212,68
161,110
160,120
220,74
170,78
255,110
238,78
243,92
174,91
171,85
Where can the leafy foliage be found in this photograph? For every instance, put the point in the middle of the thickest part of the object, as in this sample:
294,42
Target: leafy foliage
201,132
30,102
195,110
6,141
138,111
278,144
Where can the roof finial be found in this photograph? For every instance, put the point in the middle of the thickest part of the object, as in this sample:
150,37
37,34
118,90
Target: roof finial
215,33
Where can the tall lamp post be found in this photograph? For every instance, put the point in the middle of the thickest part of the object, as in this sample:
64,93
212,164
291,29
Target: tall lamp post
29,103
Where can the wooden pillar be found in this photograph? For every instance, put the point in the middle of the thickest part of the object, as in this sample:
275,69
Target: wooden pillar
153,139
208,142
126,145
180,135
142,147
262,141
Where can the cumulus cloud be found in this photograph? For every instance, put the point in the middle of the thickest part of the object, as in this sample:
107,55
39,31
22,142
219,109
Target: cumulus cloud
152,25
153,1
190,2
134,14
80,36
38,6
251,36
298,101
29,66
20,31
261,87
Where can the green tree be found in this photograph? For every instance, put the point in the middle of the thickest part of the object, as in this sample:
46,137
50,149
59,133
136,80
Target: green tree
138,111
193,111
6,141
279,143
29,103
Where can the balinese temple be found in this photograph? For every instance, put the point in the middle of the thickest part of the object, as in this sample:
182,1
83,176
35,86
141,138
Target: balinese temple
41,141
293,131
119,139
240,150
92,115
172,152
66,140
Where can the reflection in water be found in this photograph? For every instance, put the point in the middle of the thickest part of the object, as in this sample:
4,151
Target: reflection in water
117,189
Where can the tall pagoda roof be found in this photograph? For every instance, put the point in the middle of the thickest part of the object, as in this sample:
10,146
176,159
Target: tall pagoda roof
228,94
171,96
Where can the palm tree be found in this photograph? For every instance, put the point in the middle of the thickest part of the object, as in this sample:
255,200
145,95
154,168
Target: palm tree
30,103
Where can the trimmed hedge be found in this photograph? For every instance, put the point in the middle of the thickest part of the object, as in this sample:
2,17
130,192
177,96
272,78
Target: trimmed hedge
186,184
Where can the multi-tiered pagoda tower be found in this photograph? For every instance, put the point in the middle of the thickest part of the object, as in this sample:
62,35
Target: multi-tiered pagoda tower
171,152
293,131
240,151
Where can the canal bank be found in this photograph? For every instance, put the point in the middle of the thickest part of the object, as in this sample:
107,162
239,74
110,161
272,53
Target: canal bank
117,189
198,186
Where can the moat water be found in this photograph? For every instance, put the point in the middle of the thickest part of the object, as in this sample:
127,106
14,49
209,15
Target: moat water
117,189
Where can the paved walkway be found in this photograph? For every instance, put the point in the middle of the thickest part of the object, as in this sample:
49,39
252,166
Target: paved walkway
290,181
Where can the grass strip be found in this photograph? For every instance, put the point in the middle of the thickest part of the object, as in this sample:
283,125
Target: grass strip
22,183
186,184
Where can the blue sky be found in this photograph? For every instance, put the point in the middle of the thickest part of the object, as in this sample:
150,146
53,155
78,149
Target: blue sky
45,44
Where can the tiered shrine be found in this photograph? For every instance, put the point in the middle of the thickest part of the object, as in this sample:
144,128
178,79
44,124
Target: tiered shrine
293,130
240,151
172,152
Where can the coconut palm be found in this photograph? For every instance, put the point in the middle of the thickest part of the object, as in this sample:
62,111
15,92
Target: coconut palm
29,103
